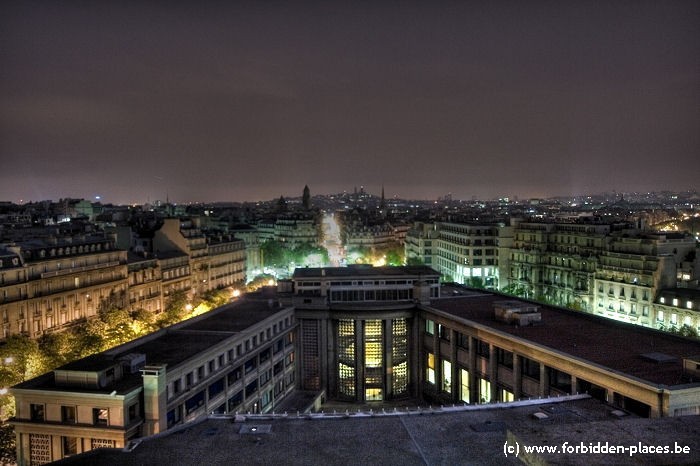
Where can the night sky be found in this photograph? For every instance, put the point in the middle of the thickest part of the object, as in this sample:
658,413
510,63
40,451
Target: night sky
215,101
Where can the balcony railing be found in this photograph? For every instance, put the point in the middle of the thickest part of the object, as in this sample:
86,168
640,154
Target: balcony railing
85,268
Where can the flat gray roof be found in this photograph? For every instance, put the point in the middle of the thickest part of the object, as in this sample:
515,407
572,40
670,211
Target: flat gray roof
171,346
617,345
467,437
362,271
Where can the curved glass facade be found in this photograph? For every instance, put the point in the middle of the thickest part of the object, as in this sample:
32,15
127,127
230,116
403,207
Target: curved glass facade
372,360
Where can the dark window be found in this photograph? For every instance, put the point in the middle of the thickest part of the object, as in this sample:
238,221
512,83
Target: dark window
462,341
250,364
530,368
235,401
560,380
133,412
177,386
189,379
221,360
277,368
444,332
194,402
70,446
212,366
279,345
265,377
216,388
235,375
505,358
37,412
200,373
251,388
482,349
68,414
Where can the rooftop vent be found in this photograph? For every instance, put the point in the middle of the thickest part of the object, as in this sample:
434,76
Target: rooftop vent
517,313
691,366
255,429
132,362
659,358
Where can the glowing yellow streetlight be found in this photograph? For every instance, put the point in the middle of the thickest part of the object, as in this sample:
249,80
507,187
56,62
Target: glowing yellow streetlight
188,307
236,293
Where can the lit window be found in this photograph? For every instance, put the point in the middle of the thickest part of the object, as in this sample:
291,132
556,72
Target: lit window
674,319
660,316
464,385
675,301
662,300
484,391
689,304
100,416
446,376
429,327
431,368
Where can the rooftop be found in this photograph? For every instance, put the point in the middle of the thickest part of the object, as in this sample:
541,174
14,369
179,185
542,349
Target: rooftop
435,436
171,346
612,344
363,270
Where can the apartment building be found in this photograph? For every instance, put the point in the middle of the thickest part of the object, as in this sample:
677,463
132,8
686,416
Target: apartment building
556,262
145,283
355,334
237,358
421,242
483,348
215,260
468,253
48,284
677,309
372,237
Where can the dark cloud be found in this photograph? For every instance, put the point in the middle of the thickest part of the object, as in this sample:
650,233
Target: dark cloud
243,101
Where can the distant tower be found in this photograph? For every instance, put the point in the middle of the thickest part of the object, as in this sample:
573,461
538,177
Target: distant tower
382,205
281,205
306,198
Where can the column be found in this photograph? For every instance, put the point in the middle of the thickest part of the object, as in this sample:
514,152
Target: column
544,381
455,365
493,373
388,360
473,382
154,399
517,377
359,360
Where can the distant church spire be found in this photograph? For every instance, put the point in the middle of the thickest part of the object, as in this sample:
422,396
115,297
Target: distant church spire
306,198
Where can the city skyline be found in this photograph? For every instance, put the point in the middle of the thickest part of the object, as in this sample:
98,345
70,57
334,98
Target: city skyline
247,102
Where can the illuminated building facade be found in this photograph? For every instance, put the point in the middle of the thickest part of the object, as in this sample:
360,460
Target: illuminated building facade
355,328
358,334
239,358
48,284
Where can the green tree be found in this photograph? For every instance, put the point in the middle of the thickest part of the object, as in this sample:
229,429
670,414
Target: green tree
414,261
395,254
58,348
514,289
24,357
90,338
8,451
474,282
258,281
175,309
273,254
